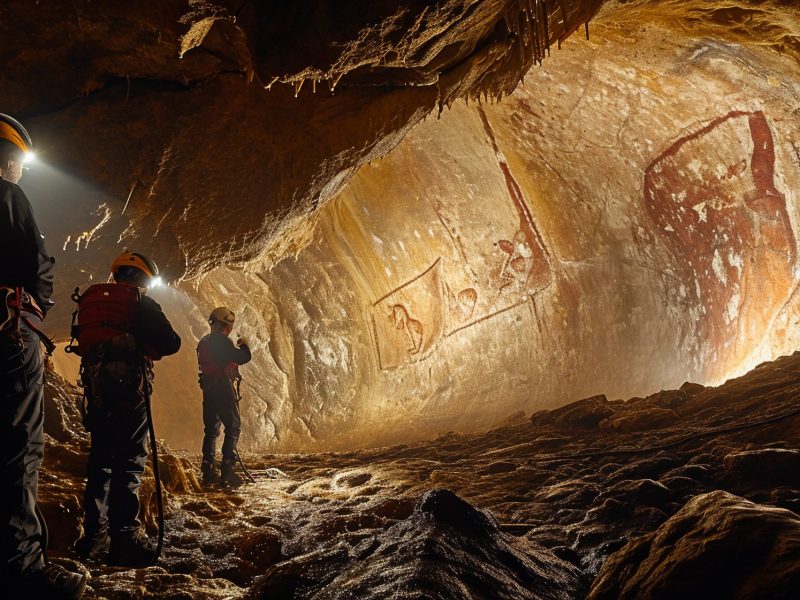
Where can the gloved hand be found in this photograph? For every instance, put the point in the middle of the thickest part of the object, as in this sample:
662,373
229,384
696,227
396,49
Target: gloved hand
242,342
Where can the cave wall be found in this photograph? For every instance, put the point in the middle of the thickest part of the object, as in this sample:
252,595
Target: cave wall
205,132
208,133
623,222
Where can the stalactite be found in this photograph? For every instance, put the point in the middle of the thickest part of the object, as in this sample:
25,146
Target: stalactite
533,25
268,87
546,26
521,41
563,36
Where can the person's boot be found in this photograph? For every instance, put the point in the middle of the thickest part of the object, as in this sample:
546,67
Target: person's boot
229,476
51,581
93,545
208,472
132,550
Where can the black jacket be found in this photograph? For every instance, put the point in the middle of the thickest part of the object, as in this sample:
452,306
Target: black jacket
25,261
153,331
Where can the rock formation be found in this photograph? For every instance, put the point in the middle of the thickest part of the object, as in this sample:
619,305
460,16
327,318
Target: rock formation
558,506
623,222
717,545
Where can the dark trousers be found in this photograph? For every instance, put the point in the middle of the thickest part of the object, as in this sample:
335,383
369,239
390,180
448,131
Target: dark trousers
21,437
220,406
117,422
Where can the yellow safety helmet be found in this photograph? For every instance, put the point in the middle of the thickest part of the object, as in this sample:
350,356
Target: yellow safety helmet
221,315
134,260
13,131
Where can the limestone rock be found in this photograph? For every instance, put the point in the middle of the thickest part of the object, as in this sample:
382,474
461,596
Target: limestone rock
691,389
62,418
446,548
763,467
642,416
583,414
718,545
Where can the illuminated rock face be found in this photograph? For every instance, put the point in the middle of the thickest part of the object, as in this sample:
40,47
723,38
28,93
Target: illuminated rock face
624,221
727,227
620,224
207,131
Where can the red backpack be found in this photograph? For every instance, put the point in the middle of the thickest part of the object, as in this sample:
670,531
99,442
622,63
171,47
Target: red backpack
105,311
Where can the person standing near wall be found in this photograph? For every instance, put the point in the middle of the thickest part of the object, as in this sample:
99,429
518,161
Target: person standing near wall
219,360
26,284
120,331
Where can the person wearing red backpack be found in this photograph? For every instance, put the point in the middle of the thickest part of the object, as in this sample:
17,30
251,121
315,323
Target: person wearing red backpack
219,361
120,332
26,284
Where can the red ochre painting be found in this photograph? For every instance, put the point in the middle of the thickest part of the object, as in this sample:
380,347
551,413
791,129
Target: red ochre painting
713,198
488,276
409,320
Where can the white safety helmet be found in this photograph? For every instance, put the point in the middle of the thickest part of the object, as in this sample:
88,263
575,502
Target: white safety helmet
221,315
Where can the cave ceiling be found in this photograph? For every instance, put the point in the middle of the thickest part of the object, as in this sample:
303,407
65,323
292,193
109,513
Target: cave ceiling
208,131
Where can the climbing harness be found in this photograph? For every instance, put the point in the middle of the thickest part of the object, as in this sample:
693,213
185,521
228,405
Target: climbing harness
104,312
14,304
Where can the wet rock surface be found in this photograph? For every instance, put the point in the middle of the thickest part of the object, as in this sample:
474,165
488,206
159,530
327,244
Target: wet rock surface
718,545
535,510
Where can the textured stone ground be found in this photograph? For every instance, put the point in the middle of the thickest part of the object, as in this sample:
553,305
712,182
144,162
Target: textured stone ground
535,507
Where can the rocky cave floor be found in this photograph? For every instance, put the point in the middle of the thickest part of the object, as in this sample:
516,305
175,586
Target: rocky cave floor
692,492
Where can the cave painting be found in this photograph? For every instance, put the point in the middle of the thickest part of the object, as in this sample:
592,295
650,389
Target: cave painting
713,197
492,269
525,259
462,305
412,327
518,264
409,321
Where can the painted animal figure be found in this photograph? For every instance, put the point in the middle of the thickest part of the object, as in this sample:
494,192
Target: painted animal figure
413,328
